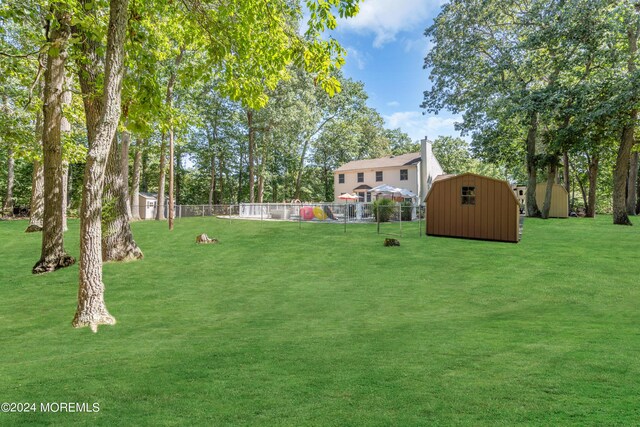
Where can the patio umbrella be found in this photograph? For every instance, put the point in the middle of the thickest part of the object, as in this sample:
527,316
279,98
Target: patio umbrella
347,196
384,188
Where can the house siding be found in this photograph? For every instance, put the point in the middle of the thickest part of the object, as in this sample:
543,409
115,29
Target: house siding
390,176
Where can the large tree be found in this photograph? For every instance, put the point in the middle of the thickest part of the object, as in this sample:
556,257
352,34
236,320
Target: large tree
53,255
102,109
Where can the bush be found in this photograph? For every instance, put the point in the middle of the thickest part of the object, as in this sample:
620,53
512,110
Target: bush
406,210
384,208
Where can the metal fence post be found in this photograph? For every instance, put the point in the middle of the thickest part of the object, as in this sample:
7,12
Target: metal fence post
346,211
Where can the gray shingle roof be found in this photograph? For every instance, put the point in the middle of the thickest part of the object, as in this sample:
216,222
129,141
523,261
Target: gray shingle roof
383,162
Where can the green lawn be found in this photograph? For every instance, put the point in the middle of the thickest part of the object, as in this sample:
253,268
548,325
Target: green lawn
278,325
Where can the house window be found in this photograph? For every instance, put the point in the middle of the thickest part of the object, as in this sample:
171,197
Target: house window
468,195
361,197
360,176
340,178
368,196
378,176
404,174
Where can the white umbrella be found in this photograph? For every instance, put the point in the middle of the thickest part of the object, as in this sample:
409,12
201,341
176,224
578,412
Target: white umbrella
384,188
407,193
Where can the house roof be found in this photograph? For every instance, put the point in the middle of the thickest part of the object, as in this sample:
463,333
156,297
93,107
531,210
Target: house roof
382,162
363,187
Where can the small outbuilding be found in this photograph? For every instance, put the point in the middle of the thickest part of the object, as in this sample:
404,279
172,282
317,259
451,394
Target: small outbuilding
473,207
147,204
559,200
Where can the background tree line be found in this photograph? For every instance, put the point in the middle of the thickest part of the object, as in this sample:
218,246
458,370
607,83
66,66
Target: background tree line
549,92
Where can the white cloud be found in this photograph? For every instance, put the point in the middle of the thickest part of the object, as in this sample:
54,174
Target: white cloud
387,18
393,104
418,126
358,58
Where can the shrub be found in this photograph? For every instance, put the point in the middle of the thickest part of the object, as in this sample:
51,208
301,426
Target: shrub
406,210
384,208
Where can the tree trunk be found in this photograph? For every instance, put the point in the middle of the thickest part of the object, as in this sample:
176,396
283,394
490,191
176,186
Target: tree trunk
261,180
221,198
91,310
621,170
638,199
144,181
161,179
65,194
251,155
53,255
171,176
532,205
7,207
69,186
565,171
37,201
135,184
632,183
566,177
163,146
621,174
551,179
239,195
65,128
212,183
583,192
36,210
124,170
117,239
179,176
594,164
261,172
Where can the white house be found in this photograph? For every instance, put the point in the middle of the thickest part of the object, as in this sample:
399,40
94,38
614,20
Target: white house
412,171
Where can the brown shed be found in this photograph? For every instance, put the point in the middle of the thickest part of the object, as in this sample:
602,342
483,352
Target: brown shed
473,207
559,200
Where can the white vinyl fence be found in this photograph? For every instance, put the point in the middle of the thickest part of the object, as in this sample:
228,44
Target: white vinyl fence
309,212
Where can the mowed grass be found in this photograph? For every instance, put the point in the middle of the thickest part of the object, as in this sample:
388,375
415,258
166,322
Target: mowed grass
281,325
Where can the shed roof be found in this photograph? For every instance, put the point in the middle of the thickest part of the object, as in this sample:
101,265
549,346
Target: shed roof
382,162
441,178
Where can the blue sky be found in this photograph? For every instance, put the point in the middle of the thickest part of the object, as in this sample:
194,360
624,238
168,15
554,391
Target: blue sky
386,47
